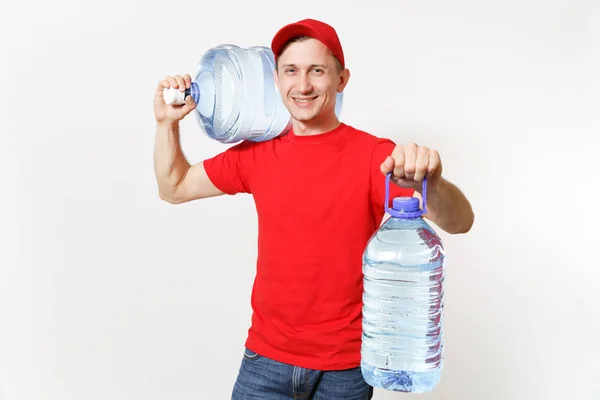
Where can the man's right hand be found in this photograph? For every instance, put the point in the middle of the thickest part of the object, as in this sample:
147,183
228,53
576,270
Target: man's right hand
166,114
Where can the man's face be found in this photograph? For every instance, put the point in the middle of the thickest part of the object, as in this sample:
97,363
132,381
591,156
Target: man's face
309,79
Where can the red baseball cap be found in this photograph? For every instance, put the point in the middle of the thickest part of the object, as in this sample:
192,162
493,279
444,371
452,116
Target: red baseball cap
312,28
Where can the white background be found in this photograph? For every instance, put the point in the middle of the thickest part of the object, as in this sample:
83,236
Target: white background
106,292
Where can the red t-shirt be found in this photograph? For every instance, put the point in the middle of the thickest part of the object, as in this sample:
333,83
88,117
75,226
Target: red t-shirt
318,199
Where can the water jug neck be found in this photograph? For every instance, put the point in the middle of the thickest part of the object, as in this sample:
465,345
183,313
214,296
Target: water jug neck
404,207
194,91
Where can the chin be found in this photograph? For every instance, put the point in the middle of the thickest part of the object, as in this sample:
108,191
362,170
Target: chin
300,116
304,115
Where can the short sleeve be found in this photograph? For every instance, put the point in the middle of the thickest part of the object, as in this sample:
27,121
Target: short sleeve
383,149
230,170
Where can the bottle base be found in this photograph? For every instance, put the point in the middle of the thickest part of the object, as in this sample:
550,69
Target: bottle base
402,381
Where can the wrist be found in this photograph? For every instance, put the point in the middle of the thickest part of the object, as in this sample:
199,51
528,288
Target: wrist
167,124
168,128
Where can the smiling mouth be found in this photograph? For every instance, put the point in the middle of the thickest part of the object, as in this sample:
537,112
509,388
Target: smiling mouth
304,100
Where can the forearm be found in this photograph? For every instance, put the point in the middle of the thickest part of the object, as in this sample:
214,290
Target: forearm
170,165
448,208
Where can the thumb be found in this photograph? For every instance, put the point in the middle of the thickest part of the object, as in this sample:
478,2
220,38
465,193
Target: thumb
189,105
387,165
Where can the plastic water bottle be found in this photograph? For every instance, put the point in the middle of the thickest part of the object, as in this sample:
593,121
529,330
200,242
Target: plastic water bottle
403,267
236,95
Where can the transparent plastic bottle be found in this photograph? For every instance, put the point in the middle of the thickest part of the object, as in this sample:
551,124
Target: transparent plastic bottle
236,95
404,271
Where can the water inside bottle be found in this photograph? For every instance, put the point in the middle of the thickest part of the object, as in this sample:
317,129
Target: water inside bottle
403,301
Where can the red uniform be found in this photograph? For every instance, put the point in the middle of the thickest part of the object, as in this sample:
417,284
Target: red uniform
318,199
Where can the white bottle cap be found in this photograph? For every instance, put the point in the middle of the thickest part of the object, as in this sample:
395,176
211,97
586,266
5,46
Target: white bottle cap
173,96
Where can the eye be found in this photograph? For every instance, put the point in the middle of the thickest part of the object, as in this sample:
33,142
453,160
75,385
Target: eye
289,70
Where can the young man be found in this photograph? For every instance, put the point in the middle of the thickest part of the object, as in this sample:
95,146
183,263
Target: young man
319,193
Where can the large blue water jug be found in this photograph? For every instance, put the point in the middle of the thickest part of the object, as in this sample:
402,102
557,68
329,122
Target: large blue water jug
236,95
403,320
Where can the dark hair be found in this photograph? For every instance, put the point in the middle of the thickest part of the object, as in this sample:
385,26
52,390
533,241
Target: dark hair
338,64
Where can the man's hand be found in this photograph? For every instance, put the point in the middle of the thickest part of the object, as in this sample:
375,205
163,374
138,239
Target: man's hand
410,163
172,114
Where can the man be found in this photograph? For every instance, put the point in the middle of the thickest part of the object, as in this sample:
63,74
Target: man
319,193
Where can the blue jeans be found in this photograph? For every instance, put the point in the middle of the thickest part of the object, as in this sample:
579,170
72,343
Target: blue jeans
265,379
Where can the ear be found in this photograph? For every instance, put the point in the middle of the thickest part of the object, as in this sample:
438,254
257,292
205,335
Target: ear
344,78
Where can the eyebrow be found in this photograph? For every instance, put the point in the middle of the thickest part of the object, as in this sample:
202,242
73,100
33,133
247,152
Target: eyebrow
323,66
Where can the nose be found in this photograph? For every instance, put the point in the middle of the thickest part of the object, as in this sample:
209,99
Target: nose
304,85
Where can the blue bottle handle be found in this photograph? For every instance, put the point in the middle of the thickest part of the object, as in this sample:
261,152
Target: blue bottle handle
387,193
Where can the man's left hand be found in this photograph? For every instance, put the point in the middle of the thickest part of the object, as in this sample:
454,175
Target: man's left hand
411,163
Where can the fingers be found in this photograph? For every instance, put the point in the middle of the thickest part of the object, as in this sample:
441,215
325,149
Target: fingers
189,105
187,79
162,84
173,112
176,81
412,163
421,164
399,156
180,83
170,82
435,164
387,165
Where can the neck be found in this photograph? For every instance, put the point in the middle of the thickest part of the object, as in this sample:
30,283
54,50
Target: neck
315,126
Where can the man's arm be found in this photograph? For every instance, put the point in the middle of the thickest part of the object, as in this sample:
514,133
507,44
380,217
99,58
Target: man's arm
178,181
447,206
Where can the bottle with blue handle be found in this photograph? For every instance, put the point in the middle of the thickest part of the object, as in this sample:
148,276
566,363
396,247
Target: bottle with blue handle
236,95
403,321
